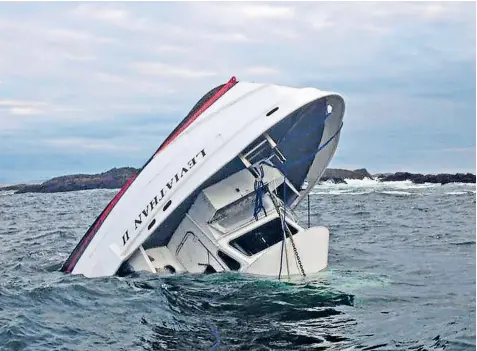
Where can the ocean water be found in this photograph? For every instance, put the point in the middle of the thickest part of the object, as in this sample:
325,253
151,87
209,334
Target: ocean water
401,277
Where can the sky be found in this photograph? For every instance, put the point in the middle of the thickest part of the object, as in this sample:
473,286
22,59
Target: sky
85,87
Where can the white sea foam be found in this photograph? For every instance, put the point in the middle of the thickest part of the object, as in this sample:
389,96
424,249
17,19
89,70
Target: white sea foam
396,192
6,192
341,192
397,188
459,192
407,184
402,184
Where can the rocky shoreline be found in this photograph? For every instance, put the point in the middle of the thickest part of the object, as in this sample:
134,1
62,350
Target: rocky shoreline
340,175
115,178
417,178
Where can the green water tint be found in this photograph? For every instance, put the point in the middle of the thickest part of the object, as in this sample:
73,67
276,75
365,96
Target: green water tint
343,280
313,290
331,279
355,281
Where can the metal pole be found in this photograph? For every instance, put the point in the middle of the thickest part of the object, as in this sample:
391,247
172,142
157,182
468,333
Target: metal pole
308,210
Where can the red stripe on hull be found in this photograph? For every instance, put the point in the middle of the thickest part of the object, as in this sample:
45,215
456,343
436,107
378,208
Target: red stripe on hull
79,250
204,107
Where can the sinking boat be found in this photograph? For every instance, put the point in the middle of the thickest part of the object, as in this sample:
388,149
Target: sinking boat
219,193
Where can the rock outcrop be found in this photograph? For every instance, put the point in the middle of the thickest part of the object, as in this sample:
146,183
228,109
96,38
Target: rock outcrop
338,176
418,178
15,187
112,179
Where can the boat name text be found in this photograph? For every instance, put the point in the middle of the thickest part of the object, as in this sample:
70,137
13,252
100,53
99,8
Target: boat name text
142,216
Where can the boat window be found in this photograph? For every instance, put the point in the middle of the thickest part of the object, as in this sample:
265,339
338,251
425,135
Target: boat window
261,238
237,214
229,261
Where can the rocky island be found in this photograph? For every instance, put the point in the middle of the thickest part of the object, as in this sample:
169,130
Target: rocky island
115,178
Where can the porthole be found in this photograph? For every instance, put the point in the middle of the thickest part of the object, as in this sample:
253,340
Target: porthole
151,224
166,206
272,111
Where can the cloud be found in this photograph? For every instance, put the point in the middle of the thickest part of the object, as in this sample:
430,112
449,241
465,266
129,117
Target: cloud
424,11
261,71
174,49
227,37
259,11
74,57
111,78
459,149
69,35
163,69
17,107
90,144
110,14
74,75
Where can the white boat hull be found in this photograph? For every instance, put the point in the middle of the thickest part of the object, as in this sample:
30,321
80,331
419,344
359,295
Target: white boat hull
147,215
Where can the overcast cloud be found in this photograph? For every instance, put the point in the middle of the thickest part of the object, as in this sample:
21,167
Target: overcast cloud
88,86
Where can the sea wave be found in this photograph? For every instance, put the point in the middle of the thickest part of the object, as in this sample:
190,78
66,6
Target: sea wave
397,193
6,192
395,188
374,183
341,192
392,263
460,192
